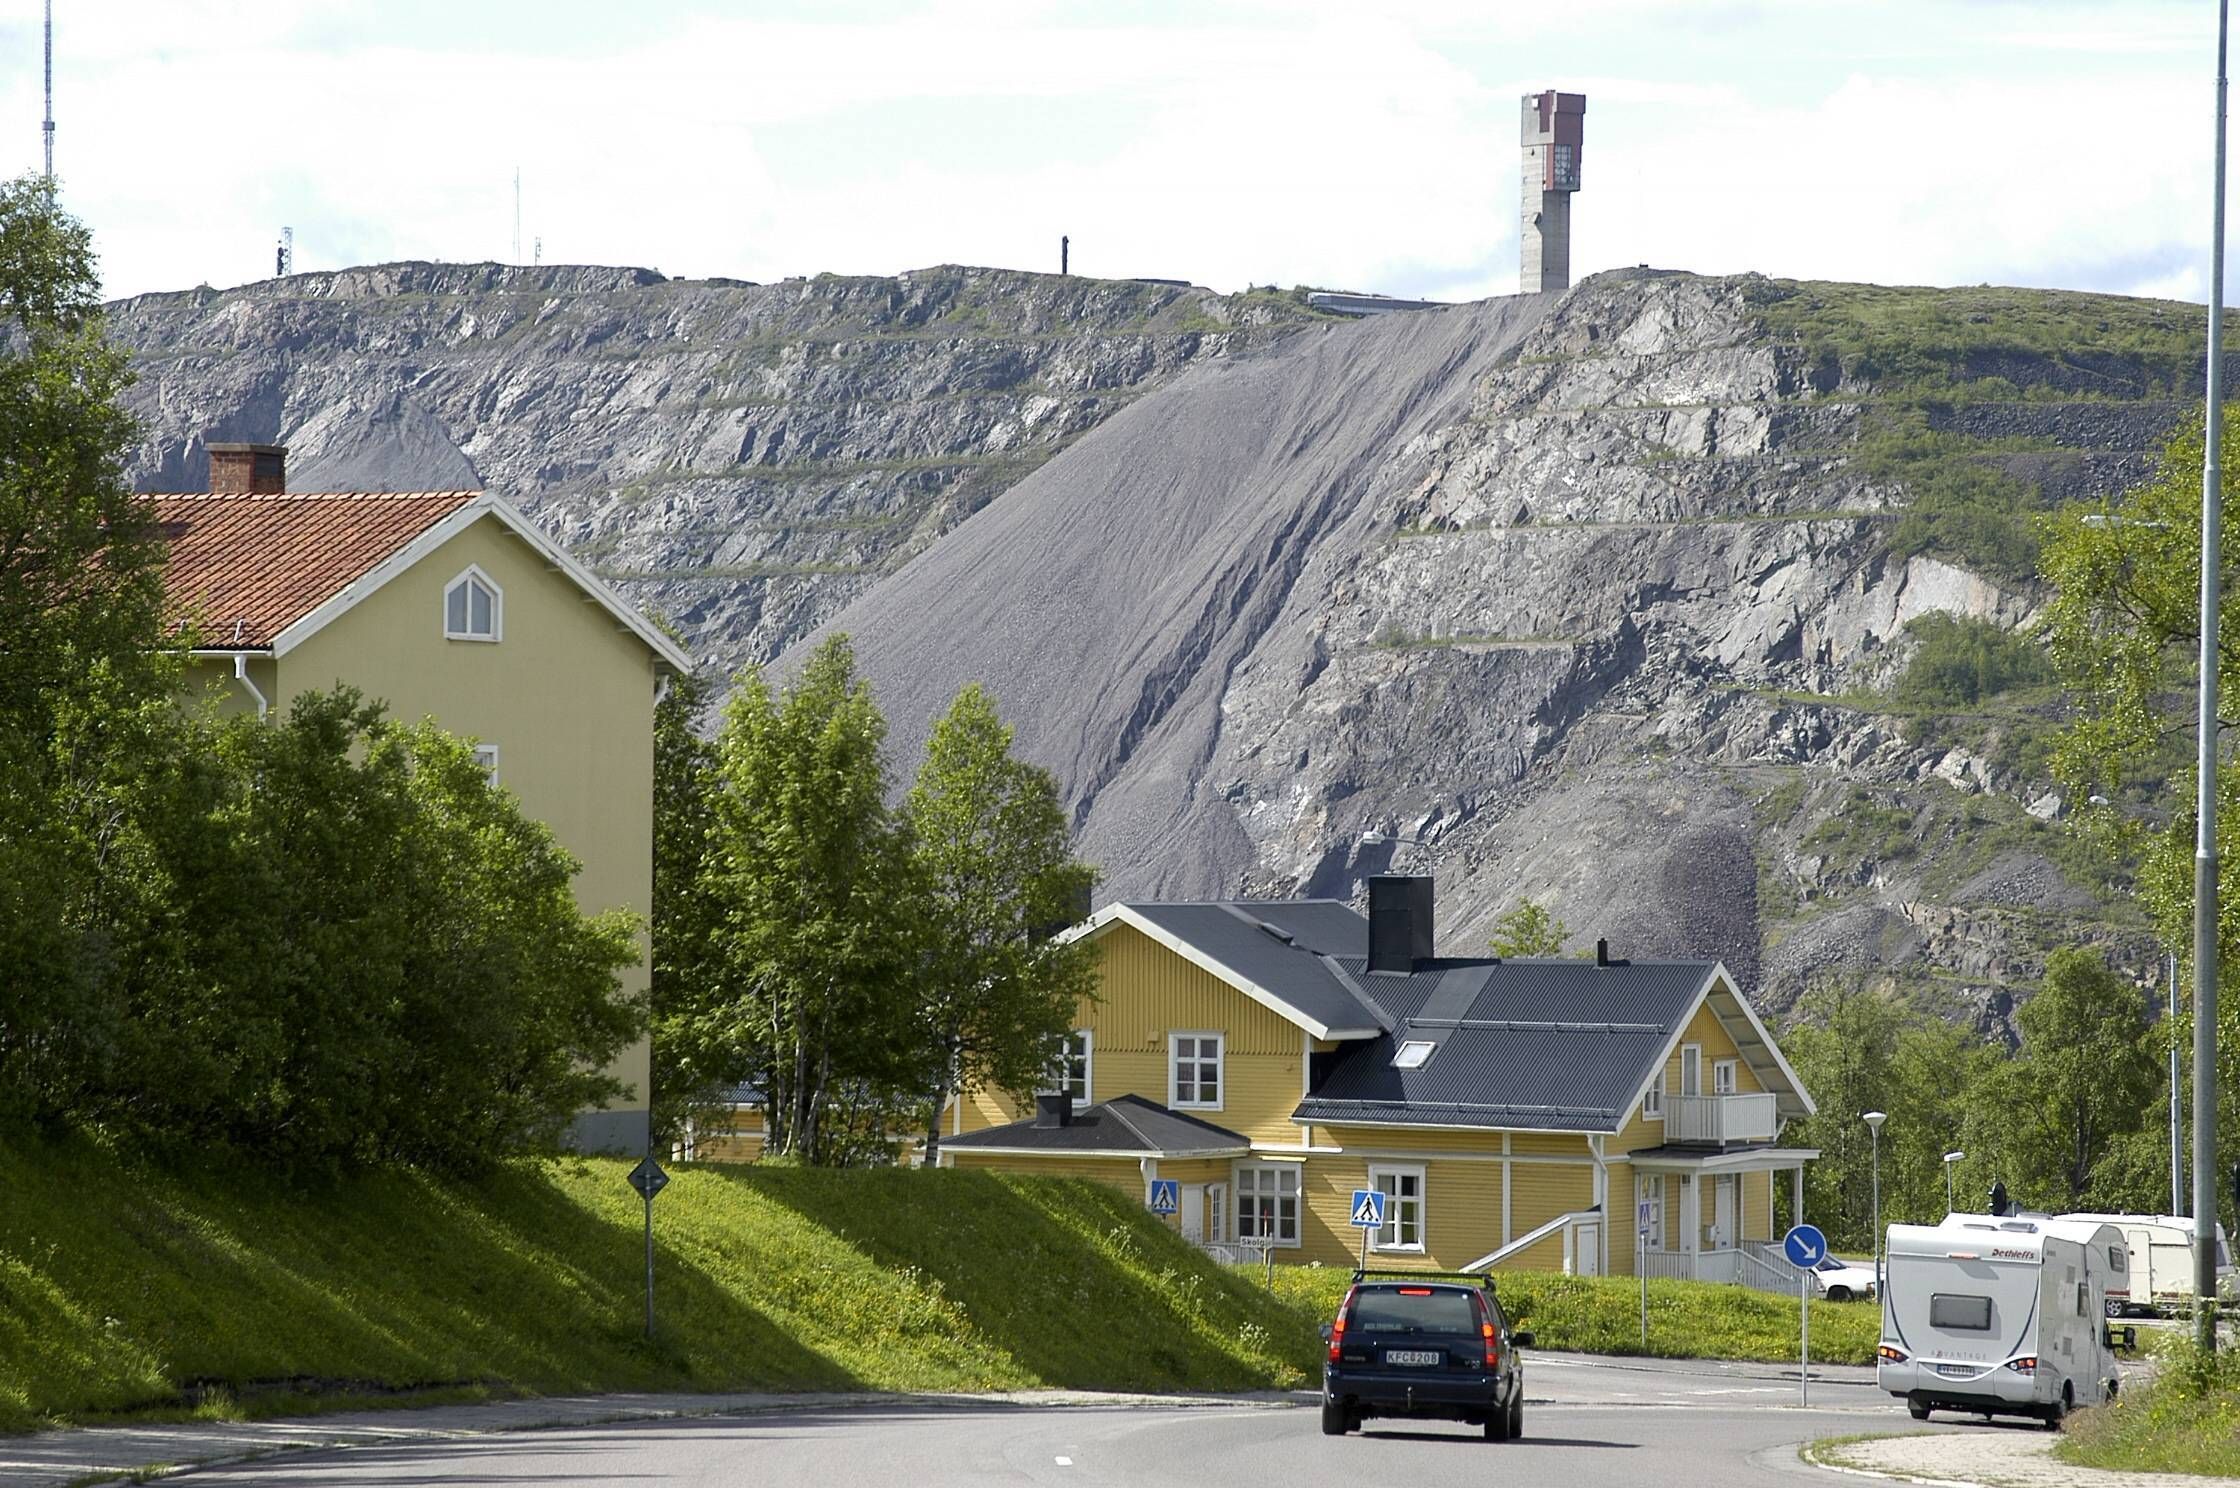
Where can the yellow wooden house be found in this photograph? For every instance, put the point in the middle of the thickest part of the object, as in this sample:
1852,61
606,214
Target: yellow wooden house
1593,1116
447,605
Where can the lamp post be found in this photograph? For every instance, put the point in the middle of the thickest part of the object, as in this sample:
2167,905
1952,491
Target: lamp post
1874,1120
1949,1159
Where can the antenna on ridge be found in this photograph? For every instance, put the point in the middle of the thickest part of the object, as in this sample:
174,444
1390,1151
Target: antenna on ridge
47,129
539,253
284,257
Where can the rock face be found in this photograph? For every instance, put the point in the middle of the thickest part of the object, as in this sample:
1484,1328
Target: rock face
742,458
1582,598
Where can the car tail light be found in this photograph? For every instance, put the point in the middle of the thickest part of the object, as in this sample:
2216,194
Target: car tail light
1415,1291
2027,1364
1890,1355
1493,1347
1338,1326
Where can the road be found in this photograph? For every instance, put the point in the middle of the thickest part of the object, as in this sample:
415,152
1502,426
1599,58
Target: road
1588,1423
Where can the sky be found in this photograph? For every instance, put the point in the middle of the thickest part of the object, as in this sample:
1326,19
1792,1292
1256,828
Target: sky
1229,142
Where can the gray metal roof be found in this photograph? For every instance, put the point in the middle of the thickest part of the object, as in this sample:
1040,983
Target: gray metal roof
1522,1045
1128,1124
1286,948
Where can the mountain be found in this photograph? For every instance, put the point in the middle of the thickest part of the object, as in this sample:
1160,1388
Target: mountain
1599,598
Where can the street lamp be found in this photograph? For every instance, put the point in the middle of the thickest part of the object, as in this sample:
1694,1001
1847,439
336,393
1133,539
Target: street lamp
1874,1120
1949,1159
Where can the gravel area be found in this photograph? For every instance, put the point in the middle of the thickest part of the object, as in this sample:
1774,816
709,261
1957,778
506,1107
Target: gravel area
1992,1457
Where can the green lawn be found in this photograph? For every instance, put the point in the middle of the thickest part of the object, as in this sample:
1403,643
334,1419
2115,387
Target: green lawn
125,1289
1602,1315
2186,1421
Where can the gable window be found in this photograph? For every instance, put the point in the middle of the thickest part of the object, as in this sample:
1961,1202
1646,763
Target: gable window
473,608
1402,1188
1722,1077
1652,1104
1268,1203
1070,1071
1194,1070
486,755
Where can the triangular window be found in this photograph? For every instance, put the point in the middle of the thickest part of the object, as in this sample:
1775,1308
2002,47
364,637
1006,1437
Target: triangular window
473,608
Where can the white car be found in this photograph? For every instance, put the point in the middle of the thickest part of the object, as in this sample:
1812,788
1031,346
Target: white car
1841,1281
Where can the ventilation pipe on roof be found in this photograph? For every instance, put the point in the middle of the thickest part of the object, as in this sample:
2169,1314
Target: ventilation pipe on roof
1054,1110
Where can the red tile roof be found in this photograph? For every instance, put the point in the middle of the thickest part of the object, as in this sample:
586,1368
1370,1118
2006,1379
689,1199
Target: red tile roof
245,568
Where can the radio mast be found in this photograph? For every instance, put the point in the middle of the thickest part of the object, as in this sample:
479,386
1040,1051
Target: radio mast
47,129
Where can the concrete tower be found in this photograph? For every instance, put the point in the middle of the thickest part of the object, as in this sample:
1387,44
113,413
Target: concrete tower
1552,131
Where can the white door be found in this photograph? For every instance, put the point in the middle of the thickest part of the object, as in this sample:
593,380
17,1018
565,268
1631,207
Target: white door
1217,1213
1586,1250
1722,1212
1193,1212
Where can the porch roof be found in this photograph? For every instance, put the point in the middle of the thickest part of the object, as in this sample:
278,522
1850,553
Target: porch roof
1129,1126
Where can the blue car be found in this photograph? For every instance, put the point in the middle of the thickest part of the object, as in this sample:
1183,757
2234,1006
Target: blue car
1412,1345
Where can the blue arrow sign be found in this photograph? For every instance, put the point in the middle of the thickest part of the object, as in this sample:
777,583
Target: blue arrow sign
1166,1195
1805,1246
1368,1208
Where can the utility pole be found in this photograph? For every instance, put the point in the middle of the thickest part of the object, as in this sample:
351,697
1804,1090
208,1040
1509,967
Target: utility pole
2177,1147
47,129
2205,811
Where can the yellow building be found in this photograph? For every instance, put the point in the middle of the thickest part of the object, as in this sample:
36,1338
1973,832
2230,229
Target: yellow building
1273,1057
446,605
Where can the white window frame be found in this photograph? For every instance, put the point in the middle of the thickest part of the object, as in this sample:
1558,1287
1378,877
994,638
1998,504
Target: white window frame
1063,1083
1652,1101
1245,1184
1724,1077
1396,1172
486,755
1648,1188
473,574
1685,1051
1220,1068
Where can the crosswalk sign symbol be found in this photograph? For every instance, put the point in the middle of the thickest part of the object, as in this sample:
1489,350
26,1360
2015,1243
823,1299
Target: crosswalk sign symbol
1368,1208
1166,1195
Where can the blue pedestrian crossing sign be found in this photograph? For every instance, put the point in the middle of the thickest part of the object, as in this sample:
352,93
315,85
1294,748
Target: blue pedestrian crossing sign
1166,1195
1805,1246
1368,1208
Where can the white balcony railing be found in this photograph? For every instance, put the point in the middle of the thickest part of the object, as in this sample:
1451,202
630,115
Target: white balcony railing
1719,1118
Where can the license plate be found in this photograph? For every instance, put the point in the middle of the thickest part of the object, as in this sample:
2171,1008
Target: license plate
1956,1371
1418,1357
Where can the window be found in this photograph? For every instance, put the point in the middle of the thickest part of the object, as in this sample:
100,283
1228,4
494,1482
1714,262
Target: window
2116,1260
1722,1077
1960,1313
1268,1203
1070,1071
1652,1104
1649,1189
1194,1070
486,755
473,608
1691,1069
1414,1054
1403,1207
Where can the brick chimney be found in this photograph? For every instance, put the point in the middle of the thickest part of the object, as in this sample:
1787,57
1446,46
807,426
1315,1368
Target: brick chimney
251,469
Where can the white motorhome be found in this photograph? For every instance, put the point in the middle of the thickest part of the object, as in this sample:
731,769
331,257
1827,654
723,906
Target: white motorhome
1996,1316
2161,1247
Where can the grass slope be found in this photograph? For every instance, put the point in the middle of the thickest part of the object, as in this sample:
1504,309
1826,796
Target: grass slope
123,1289
2185,1420
1602,1315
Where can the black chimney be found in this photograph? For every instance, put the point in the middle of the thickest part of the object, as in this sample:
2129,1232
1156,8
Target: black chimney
1054,1110
1399,923
1602,953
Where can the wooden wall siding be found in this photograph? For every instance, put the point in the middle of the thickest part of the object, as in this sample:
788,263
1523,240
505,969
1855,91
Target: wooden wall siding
1621,1211
1570,1146
1757,1206
1196,1169
1705,1029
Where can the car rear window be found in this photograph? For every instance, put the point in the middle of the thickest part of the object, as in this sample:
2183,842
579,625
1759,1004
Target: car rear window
1413,1310
1960,1311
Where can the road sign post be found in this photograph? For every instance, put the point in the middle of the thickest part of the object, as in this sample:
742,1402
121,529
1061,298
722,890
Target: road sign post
648,1179
1641,1268
1368,1214
1806,1248
1166,1196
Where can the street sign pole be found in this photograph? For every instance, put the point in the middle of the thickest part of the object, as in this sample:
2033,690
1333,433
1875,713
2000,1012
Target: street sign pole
649,1265
1806,1248
1643,1268
648,1179
1368,1214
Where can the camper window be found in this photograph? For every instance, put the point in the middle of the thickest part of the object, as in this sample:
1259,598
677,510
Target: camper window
2115,1259
1967,1314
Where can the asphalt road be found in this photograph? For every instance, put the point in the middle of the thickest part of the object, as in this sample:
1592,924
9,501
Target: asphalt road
1587,1424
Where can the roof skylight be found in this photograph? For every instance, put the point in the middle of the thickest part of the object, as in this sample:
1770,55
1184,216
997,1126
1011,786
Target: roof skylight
1414,1054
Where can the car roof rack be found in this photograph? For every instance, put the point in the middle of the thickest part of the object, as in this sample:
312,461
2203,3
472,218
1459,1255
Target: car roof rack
1404,1273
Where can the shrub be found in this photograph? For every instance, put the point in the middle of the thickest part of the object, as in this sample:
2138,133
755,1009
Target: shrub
1959,662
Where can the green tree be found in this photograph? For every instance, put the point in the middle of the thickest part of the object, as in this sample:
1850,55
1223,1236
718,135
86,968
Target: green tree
693,1060
810,872
1844,1048
990,838
1528,929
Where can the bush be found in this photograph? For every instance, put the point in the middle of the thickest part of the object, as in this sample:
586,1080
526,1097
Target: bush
2187,1420
1958,662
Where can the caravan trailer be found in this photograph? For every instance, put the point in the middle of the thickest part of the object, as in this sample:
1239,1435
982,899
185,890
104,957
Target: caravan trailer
1996,1316
2161,1247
